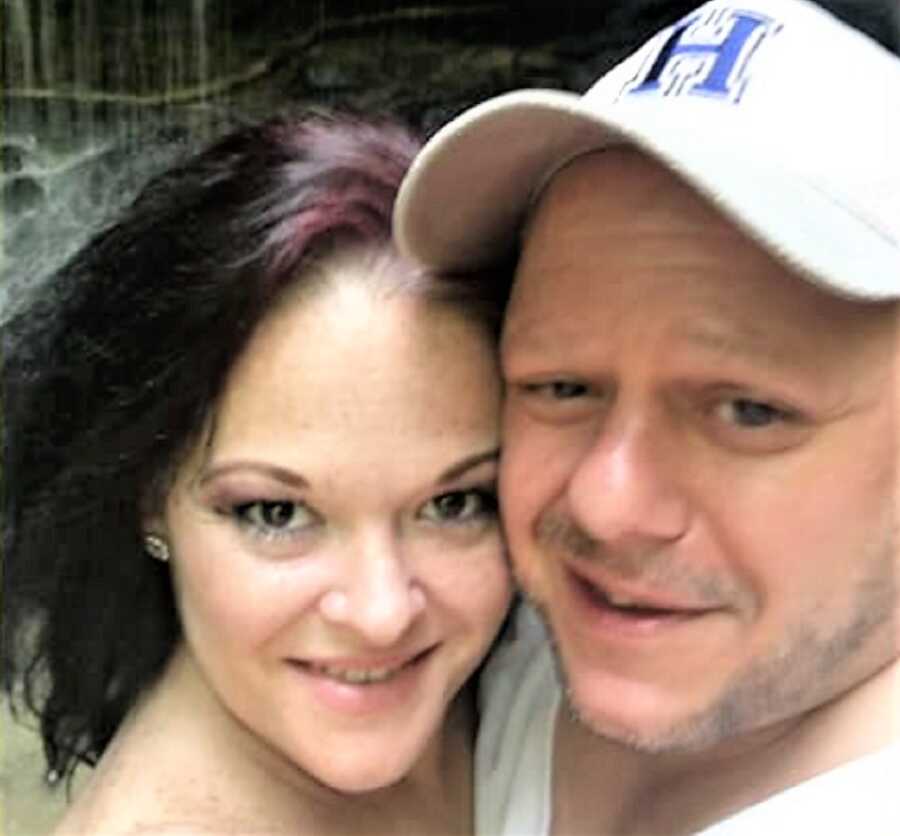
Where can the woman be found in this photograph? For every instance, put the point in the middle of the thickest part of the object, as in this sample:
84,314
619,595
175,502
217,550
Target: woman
252,551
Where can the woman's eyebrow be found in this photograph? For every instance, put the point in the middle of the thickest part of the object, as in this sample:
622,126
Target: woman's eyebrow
280,474
455,471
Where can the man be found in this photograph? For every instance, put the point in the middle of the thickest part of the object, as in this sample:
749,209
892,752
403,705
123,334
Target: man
699,475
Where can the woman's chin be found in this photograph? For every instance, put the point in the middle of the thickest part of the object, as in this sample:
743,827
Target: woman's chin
358,781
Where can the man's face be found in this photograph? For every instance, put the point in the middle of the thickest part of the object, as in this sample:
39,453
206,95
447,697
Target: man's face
699,464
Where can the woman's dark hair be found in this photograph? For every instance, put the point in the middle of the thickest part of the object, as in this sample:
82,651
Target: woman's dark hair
113,371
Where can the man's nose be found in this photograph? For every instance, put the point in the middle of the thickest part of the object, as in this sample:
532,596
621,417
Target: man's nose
626,491
377,594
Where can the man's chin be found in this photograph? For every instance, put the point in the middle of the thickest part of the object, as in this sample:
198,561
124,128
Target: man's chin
646,735
646,719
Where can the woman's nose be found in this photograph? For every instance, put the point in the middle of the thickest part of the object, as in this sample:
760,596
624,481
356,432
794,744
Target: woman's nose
377,596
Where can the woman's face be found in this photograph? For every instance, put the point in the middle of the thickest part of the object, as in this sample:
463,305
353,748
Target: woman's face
337,557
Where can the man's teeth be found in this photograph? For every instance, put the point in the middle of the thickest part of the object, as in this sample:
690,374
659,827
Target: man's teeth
356,676
620,600
626,602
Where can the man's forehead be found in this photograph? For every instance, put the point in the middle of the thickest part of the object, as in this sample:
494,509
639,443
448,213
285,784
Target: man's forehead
622,186
607,217
615,208
615,219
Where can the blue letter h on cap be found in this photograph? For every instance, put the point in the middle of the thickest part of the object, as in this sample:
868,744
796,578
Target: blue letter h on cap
727,53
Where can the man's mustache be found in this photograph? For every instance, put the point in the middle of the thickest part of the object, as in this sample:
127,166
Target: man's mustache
653,563
556,532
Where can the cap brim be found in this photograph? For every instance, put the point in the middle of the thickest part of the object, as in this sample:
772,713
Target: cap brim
464,198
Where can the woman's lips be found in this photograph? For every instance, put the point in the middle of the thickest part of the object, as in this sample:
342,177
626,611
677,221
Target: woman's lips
363,686
361,670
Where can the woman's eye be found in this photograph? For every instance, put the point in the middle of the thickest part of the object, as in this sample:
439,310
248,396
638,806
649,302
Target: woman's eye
460,506
752,414
274,516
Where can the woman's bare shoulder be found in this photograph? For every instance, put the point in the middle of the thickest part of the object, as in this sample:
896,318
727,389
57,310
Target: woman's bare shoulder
220,828
171,829
196,829
176,828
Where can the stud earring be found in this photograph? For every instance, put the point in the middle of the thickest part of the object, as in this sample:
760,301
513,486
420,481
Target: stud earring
156,547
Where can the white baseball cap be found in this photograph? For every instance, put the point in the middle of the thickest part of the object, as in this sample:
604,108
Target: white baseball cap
785,118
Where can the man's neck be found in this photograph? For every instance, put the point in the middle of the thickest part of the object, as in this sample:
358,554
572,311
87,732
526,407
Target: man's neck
602,787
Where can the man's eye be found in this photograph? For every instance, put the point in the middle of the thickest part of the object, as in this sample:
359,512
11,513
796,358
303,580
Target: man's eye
559,390
460,506
273,516
746,412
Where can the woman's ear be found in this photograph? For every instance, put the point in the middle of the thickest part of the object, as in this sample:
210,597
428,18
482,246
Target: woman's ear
153,520
154,531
